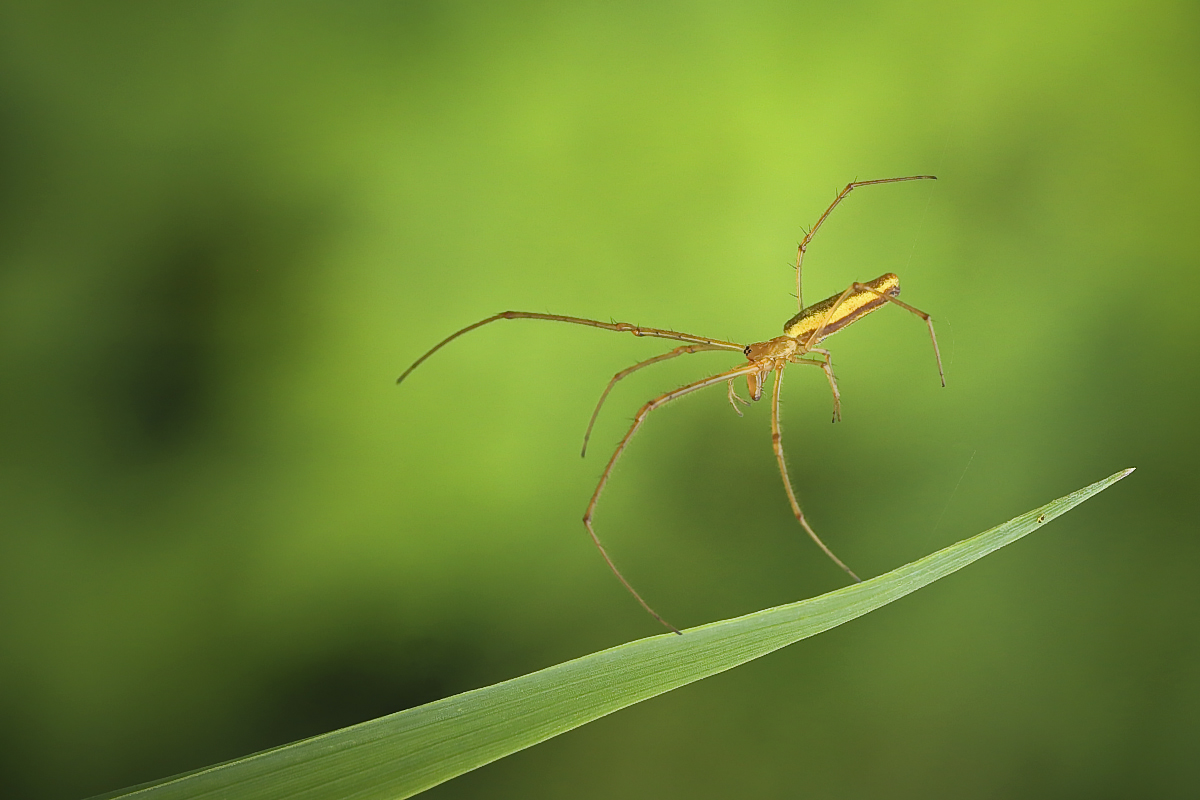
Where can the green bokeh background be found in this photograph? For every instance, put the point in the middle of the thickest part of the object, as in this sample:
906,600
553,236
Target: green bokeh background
226,227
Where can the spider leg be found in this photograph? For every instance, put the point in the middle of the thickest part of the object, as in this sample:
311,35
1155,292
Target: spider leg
777,444
678,351
850,187
621,327
638,419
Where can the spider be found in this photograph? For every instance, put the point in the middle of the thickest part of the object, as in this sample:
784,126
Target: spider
799,345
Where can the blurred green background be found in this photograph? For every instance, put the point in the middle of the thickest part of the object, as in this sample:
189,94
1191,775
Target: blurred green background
226,227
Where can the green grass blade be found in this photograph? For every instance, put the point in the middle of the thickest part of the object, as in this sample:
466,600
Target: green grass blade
404,753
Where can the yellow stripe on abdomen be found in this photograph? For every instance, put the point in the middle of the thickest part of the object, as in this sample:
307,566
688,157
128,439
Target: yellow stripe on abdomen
825,319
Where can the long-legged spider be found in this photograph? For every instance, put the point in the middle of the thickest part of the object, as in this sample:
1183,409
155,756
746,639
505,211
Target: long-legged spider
798,345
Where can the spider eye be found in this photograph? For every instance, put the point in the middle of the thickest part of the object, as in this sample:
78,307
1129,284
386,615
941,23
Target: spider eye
746,350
